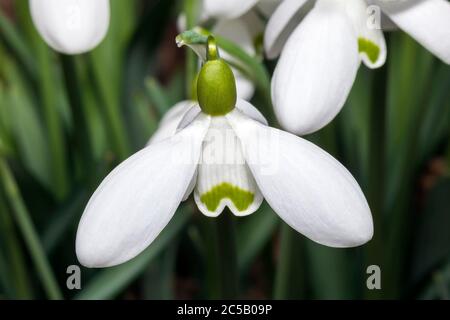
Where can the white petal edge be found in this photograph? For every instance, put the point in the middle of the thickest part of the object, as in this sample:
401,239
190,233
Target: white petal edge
183,113
251,111
71,26
316,69
309,189
282,22
427,21
171,120
138,199
227,9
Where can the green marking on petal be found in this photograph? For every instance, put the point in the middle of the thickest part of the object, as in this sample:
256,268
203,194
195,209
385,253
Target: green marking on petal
368,47
242,199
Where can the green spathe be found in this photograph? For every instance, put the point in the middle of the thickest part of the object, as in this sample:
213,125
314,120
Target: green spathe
241,198
216,88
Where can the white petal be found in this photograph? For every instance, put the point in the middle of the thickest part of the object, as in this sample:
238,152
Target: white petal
178,117
223,176
138,198
283,21
427,21
316,69
371,43
228,9
71,26
189,116
250,111
171,120
308,188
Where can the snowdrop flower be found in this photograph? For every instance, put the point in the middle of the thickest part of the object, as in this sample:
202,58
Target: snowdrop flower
222,150
322,43
71,26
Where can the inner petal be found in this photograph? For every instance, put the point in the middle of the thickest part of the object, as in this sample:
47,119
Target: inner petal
367,24
224,178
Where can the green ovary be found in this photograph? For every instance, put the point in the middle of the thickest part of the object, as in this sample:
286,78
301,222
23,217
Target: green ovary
242,199
369,48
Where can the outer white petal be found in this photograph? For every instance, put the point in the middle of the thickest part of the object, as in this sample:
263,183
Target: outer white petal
316,69
282,22
371,42
427,21
308,188
171,120
224,178
71,26
237,31
138,198
227,9
250,111
178,117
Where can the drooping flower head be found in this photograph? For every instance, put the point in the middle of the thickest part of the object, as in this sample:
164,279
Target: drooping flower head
71,26
322,43
221,150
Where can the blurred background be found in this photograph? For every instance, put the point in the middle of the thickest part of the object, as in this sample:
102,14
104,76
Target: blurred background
66,121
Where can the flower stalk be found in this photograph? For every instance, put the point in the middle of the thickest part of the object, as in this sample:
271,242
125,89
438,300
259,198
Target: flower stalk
226,246
377,158
289,266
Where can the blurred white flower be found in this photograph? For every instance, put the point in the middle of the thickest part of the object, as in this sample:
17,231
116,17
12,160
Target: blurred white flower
71,26
231,9
234,160
322,43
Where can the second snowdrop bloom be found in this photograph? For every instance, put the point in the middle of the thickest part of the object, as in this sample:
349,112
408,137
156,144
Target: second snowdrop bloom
323,41
222,150
71,26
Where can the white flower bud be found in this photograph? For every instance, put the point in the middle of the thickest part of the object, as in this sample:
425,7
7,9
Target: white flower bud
71,26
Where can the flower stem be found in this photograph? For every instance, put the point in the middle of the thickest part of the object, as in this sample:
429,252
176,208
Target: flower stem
29,233
81,140
226,246
213,52
289,281
377,158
